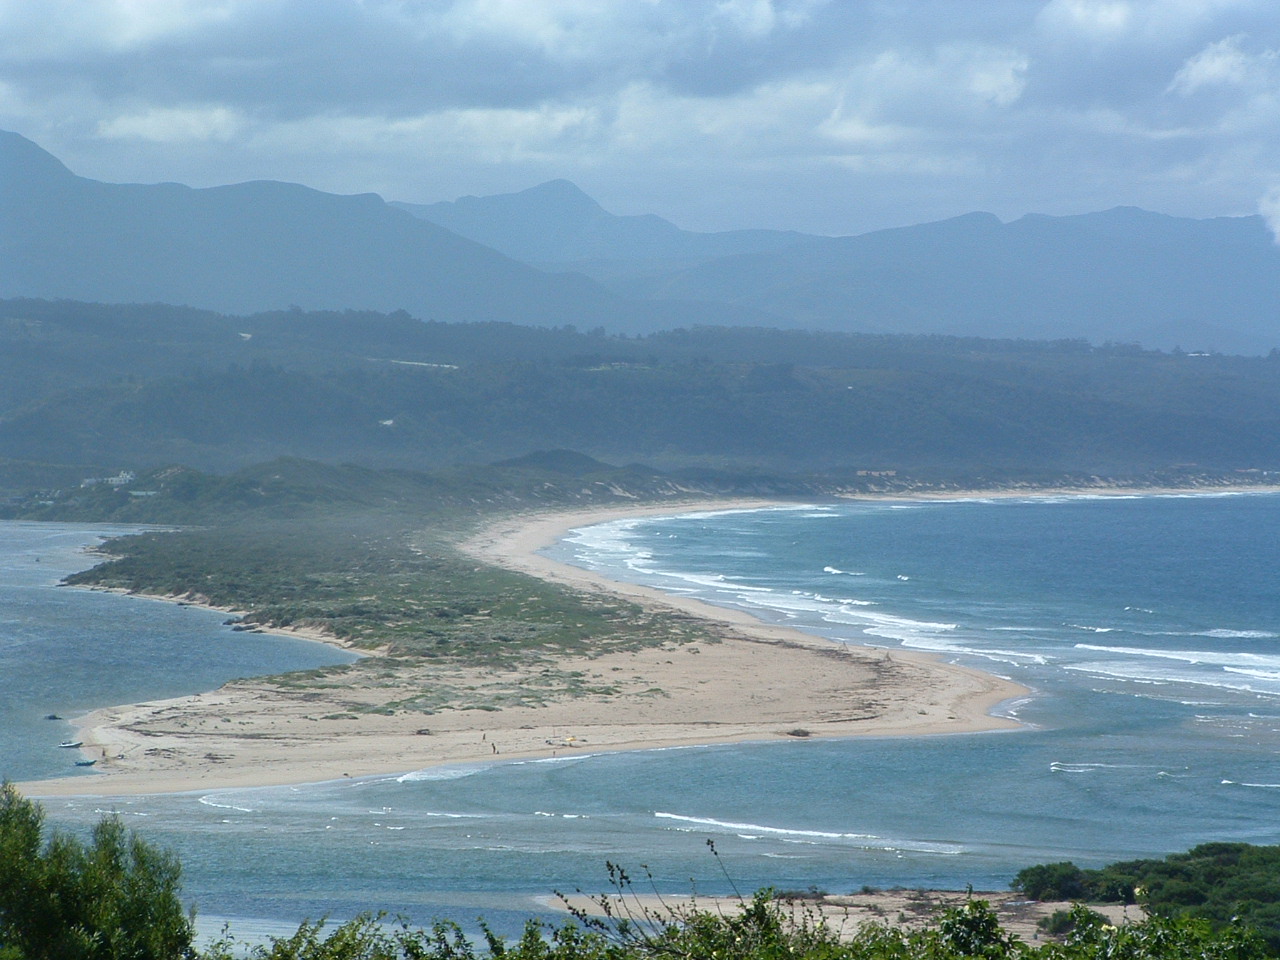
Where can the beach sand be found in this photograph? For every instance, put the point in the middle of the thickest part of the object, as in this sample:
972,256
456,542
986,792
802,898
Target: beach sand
845,914
747,681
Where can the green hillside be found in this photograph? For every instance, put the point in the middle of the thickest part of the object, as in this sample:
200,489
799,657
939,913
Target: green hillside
112,387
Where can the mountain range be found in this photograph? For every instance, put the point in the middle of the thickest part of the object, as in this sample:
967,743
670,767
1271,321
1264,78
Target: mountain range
557,226
266,245
1120,275
551,255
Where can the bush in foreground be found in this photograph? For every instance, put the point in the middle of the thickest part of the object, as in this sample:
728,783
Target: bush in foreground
763,931
113,898
1222,883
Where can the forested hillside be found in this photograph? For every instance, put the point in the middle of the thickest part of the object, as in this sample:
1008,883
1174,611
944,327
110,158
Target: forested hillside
110,387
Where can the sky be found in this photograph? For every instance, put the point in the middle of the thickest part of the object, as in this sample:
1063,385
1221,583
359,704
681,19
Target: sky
827,116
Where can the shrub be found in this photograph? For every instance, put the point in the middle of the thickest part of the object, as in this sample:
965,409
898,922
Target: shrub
1051,881
1064,921
113,898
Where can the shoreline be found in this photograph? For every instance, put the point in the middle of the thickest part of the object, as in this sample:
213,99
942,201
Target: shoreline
253,733
750,681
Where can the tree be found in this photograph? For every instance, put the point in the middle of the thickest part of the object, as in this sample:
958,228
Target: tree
113,898
1051,881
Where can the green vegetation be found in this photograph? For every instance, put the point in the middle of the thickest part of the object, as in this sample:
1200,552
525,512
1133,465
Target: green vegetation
371,558
289,488
394,586
116,897
1218,883
766,931
1055,881
146,386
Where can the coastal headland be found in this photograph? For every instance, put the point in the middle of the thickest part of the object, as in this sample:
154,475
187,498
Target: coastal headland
741,680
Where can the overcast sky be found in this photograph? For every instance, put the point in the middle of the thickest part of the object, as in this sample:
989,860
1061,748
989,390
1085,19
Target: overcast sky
829,116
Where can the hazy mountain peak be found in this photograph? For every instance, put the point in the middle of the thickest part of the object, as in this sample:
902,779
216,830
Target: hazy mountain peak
558,223
1122,215
258,245
976,218
564,192
978,222
1124,275
268,245
22,159
519,220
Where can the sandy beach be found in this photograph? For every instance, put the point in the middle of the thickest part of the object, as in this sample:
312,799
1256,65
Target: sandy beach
747,681
844,915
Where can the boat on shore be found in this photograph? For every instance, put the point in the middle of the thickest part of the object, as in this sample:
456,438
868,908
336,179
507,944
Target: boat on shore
71,744
85,763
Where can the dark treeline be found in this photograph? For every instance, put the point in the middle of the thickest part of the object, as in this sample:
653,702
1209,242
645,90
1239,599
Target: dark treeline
1218,882
111,387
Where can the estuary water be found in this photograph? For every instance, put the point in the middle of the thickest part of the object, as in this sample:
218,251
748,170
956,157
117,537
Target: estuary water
1148,629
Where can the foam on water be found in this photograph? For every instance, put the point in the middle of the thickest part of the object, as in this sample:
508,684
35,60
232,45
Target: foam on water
755,831
1060,767
208,801
1210,658
873,617
450,772
549,761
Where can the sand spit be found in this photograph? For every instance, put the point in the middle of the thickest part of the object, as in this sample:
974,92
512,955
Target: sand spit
748,681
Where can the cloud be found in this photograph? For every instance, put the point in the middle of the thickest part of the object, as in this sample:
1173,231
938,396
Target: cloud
817,114
1269,207
1099,20
163,125
1150,23
1224,63
289,57
951,77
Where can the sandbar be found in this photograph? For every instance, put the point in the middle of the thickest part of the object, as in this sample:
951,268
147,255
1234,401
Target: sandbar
748,681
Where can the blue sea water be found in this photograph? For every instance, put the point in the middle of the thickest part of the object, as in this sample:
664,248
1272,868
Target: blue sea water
1148,629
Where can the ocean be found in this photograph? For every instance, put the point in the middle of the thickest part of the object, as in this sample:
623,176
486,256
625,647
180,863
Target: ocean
1147,628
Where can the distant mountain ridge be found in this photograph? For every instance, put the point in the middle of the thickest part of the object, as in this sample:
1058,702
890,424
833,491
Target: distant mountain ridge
1120,275
267,245
1123,275
556,223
